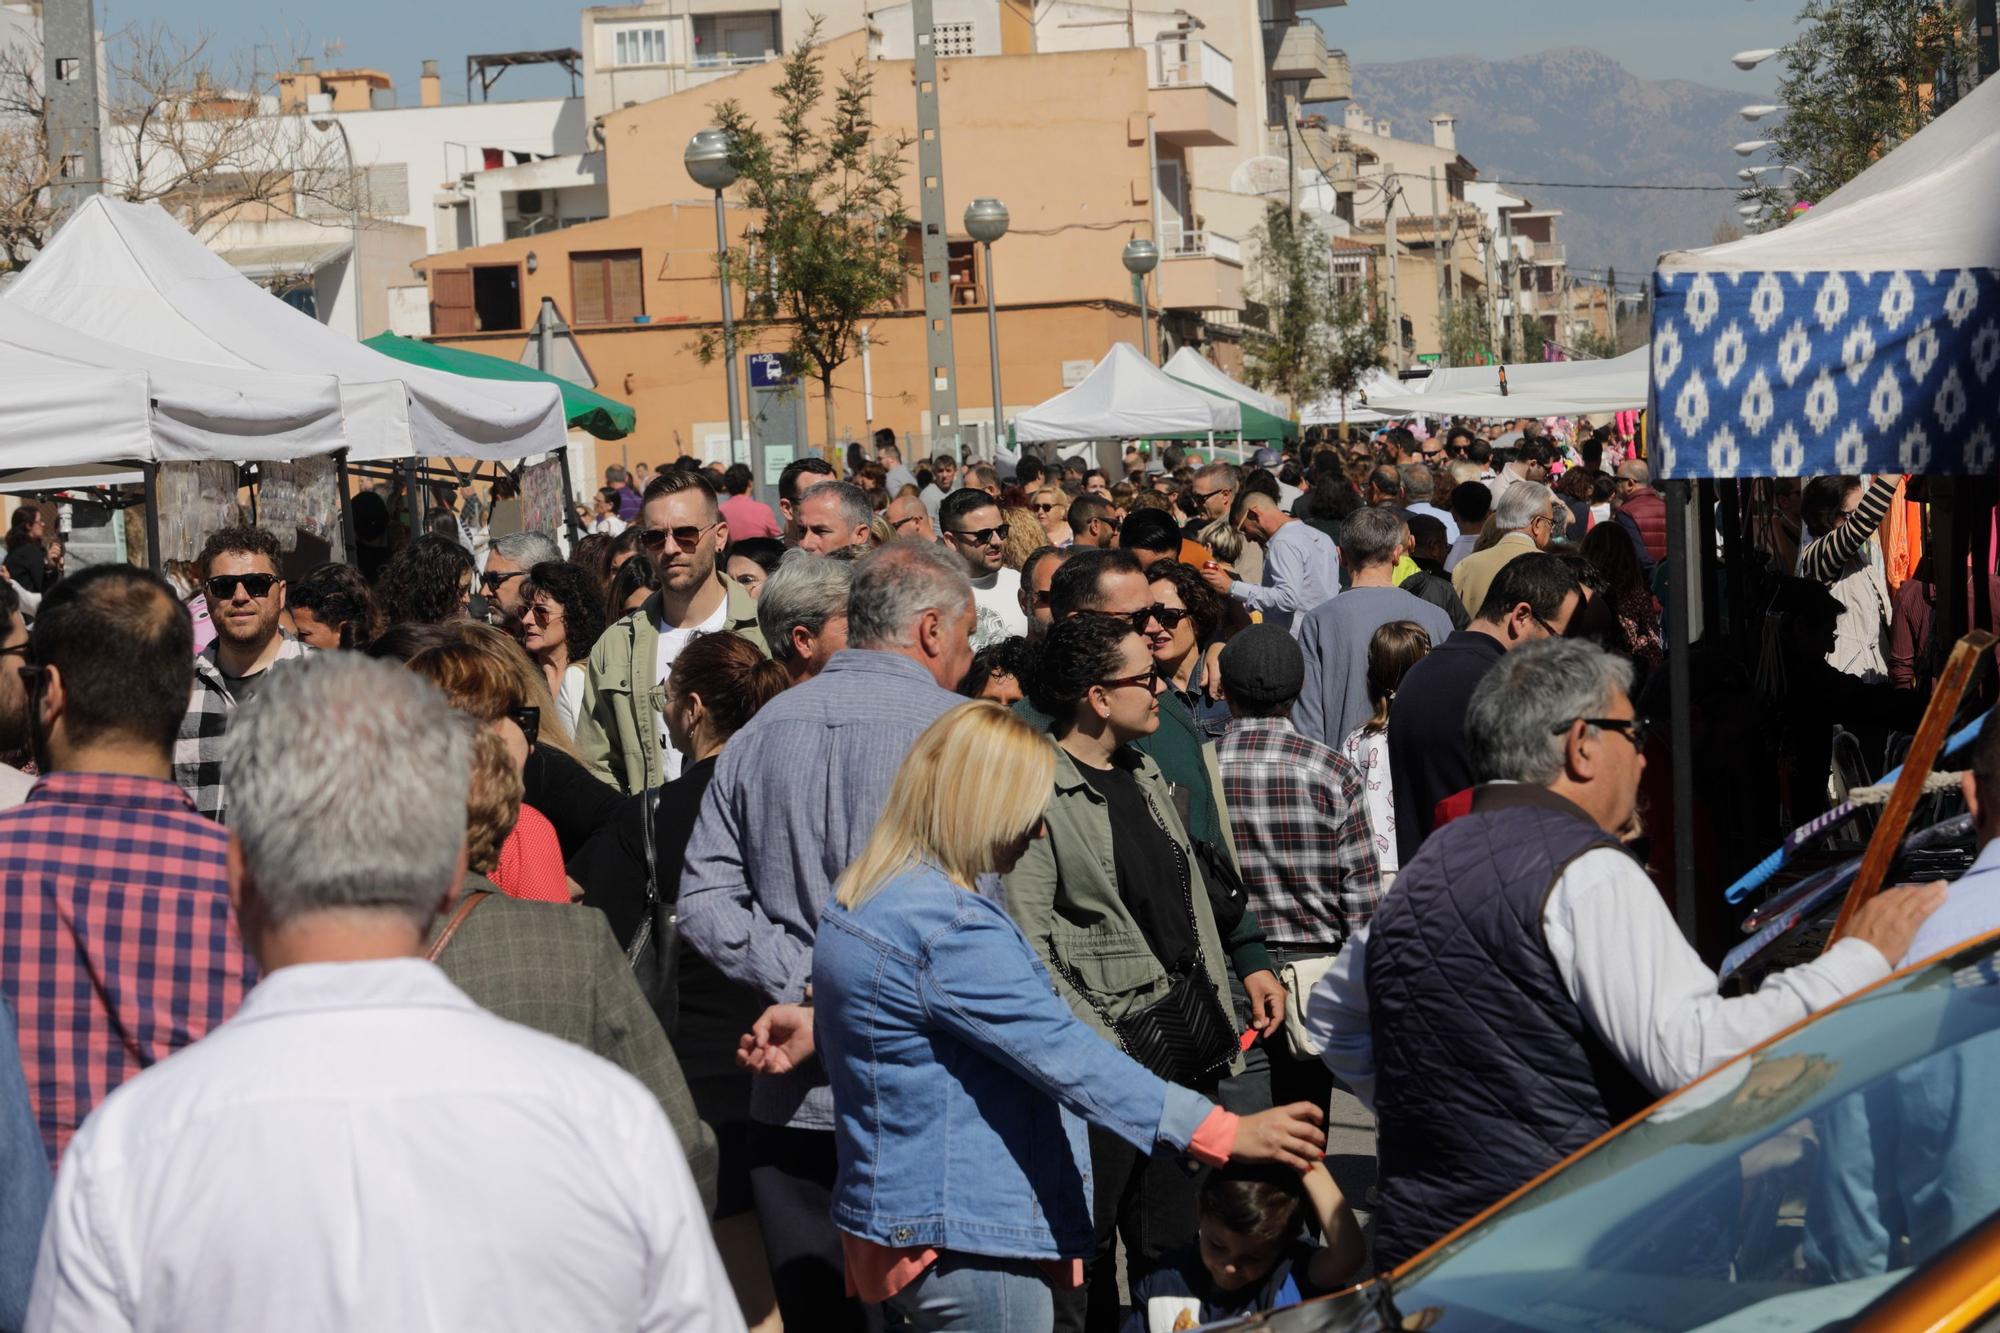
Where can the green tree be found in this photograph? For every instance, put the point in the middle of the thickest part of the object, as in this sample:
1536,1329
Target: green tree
1465,337
1357,337
1590,345
833,232
1860,77
1292,282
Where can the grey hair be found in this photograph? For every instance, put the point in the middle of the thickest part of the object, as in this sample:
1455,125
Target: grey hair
526,549
1526,701
1370,536
803,590
1225,472
1418,484
855,511
347,782
895,584
1521,504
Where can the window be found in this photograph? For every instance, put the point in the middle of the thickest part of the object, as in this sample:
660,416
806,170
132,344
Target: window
496,296
640,46
954,39
606,287
735,39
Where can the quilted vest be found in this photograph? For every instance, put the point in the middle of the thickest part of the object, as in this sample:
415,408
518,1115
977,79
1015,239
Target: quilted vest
1648,511
1486,1072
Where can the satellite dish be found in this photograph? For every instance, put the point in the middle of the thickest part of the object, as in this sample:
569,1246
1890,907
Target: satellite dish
1260,176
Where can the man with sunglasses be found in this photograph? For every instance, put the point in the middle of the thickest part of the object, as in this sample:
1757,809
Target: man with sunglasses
1526,517
977,534
1525,987
908,518
246,598
620,730
505,578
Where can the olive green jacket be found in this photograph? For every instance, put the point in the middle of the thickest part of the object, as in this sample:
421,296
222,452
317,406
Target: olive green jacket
618,729
1064,896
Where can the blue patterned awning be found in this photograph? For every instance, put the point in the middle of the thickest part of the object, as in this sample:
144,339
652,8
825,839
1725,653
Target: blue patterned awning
1802,373
1863,336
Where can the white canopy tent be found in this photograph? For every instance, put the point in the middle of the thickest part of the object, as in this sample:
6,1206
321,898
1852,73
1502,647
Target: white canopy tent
1127,397
192,411
80,416
129,275
1534,389
1360,412
1863,336
1191,367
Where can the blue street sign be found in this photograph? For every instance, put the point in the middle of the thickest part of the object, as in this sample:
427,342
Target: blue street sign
767,371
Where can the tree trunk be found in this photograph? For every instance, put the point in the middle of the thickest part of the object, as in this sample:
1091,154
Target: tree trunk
832,449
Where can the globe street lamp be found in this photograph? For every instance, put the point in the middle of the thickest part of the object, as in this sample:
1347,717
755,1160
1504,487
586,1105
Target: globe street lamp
1749,146
986,222
1752,173
707,161
1142,257
1757,111
1752,59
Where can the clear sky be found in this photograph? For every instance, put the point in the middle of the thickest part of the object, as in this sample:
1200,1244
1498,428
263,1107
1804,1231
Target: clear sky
1685,39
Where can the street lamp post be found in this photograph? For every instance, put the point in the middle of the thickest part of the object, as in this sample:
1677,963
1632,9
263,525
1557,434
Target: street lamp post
324,124
707,160
1142,257
986,222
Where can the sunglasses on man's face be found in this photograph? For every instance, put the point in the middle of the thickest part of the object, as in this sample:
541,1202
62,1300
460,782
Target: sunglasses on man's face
492,579
984,536
686,539
222,587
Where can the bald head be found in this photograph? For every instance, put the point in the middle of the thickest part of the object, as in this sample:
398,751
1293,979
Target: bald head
1635,470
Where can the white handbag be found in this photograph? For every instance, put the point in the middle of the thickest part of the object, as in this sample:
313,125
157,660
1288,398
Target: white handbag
1298,977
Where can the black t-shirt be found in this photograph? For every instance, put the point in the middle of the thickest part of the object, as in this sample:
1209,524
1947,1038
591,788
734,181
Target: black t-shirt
243,688
1147,865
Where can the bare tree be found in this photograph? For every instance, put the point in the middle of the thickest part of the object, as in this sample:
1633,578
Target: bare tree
208,138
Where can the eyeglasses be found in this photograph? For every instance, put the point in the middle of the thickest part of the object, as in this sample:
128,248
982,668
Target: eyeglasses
1169,617
1138,620
685,539
545,611
222,587
1632,729
1433,455
492,579
1046,508
899,524
17,650
984,536
529,719
1149,678
1219,490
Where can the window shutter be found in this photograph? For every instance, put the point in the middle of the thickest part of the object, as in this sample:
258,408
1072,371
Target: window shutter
626,294
587,289
451,301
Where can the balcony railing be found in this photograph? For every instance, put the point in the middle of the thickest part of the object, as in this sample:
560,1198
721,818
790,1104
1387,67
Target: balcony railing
1177,242
1547,253
1189,62
731,62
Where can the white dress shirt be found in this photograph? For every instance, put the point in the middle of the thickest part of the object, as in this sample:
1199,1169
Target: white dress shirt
363,1147
1639,985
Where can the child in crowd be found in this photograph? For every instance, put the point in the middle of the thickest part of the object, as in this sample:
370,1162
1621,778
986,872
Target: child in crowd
1250,1253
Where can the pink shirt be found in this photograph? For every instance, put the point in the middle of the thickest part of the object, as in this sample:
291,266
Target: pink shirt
749,518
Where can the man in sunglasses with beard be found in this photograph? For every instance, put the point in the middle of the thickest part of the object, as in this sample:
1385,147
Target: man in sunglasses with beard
976,532
246,597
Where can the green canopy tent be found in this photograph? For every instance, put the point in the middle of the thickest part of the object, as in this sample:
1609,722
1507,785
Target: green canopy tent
585,409
1258,425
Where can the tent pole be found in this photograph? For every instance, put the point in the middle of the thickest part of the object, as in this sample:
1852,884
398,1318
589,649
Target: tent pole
153,560
413,492
569,497
1680,694
343,486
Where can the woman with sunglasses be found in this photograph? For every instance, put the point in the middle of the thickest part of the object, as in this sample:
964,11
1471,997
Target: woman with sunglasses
560,624
1115,903
1187,617
477,681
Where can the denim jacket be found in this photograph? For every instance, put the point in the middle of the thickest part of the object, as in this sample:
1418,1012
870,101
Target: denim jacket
961,1082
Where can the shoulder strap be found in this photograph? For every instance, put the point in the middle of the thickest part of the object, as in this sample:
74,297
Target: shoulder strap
650,808
465,907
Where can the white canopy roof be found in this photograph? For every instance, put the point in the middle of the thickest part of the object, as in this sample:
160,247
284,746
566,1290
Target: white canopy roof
128,274
1374,384
1534,389
79,414
1862,336
1191,367
1126,397
196,411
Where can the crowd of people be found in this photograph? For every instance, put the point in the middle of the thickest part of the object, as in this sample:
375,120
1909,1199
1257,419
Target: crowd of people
901,902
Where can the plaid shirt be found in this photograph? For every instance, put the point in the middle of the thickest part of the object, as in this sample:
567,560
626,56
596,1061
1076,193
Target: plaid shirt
117,944
198,751
1300,818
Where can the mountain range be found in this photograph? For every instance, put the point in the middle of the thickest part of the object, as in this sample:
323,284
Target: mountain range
1575,116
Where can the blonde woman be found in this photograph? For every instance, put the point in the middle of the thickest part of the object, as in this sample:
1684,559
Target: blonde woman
961,1084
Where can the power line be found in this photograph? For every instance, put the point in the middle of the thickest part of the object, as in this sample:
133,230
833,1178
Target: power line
1594,185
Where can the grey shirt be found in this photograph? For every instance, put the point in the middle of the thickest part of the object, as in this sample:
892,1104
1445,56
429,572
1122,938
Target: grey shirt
1335,637
796,794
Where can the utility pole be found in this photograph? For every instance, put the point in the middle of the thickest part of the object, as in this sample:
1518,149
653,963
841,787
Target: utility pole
937,263
1437,259
1389,249
1492,294
70,74
1291,166
1507,278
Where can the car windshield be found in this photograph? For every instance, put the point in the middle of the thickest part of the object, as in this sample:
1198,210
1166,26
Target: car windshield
1786,1192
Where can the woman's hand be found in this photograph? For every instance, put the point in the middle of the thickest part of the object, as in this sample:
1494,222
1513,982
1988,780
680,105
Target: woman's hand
1218,576
780,1041
1267,1002
1287,1134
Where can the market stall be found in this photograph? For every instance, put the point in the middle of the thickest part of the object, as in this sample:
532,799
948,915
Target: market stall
584,409
1265,420
1525,389
1127,397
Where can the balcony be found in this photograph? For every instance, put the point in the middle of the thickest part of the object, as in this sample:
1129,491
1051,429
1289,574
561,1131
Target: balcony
1296,53
1192,93
1553,255
1199,270
1319,148
1336,85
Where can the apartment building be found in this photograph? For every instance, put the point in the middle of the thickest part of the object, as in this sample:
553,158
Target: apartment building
1530,261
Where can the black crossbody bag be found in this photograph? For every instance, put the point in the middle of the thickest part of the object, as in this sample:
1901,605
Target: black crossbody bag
655,948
